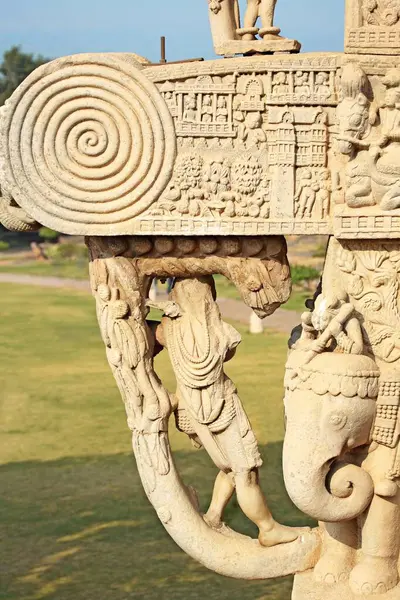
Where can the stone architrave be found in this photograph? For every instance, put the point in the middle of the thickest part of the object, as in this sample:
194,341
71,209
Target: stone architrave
192,169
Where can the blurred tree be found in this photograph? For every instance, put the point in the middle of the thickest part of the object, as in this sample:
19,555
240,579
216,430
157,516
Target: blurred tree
16,65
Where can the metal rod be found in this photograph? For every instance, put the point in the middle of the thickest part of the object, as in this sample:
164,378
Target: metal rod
163,56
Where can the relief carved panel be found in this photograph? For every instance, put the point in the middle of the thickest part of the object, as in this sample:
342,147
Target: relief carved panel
372,26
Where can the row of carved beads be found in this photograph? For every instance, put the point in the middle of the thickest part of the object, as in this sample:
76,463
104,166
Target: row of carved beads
180,247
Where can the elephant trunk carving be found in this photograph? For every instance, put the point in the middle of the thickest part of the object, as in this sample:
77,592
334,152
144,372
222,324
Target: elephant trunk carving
328,418
340,498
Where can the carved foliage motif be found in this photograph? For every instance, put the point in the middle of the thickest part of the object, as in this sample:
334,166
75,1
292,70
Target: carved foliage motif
371,279
121,314
381,13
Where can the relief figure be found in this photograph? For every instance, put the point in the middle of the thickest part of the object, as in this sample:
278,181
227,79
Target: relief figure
370,136
208,408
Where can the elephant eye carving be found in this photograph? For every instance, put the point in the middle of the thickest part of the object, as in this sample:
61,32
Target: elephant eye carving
337,421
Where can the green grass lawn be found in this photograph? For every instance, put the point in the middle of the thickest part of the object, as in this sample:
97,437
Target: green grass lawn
66,269
74,521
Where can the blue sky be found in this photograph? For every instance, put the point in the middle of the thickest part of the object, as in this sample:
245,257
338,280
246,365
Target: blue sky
60,27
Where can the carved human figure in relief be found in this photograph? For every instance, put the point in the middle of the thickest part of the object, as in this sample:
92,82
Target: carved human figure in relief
206,109
322,87
190,113
222,110
279,85
306,195
333,320
302,85
324,194
251,131
208,407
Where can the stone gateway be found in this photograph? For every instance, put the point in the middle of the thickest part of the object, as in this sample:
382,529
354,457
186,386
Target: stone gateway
197,168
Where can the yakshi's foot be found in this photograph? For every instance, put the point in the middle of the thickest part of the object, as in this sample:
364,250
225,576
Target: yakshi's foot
279,534
213,520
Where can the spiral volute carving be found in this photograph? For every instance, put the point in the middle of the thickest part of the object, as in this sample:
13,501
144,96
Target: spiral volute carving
87,143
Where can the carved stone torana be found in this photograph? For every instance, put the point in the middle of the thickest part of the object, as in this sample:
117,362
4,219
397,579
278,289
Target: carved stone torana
256,146
196,168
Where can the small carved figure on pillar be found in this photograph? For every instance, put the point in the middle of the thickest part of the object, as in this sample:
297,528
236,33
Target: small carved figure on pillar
207,110
190,113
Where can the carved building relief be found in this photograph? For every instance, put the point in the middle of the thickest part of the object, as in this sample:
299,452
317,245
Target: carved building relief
247,143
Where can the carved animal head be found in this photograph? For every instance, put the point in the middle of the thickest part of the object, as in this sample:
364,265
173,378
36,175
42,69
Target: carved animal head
353,121
353,111
330,405
324,311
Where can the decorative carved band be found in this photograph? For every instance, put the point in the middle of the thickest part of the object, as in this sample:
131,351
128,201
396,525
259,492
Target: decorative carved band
257,266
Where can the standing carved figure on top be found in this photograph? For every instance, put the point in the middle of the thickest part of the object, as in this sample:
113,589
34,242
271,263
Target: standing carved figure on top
263,9
232,38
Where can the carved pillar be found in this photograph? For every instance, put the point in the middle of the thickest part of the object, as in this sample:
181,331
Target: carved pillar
348,360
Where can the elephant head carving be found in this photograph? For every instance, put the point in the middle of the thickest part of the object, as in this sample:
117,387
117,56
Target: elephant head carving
330,405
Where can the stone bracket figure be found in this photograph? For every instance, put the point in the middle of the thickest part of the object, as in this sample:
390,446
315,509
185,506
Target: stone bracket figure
190,170
206,405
